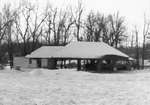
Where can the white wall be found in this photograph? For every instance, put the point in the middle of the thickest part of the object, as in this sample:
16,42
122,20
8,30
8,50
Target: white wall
24,62
44,63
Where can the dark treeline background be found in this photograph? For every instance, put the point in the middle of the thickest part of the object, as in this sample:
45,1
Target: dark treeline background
26,28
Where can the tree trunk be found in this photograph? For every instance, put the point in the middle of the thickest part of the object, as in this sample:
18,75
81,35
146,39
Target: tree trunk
143,52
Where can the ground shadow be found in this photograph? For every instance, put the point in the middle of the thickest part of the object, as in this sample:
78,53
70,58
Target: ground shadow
109,71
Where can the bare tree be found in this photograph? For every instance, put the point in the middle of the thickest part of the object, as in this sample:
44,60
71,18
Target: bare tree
146,30
110,29
48,25
60,25
100,26
3,28
132,38
117,29
23,29
137,47
36,29
9,17
78,17
68,23
55,27
90,26
31,29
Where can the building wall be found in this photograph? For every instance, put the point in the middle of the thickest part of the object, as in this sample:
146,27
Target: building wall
33,63
24,62
21,62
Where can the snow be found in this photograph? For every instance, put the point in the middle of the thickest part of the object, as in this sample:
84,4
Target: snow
88,50
71,87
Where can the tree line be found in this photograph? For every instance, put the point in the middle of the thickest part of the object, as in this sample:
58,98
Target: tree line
26,28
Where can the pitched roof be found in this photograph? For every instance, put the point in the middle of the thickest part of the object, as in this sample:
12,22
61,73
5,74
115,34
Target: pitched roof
45,52
88,50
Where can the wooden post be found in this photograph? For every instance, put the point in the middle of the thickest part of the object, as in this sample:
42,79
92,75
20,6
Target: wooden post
78,64
84,63
114,68
65,64
61,65
99,65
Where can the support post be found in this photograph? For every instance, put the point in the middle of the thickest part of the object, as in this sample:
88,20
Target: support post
99,65
61,65
78,64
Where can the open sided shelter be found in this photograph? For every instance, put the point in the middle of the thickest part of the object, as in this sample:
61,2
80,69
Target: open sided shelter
91,51
95,52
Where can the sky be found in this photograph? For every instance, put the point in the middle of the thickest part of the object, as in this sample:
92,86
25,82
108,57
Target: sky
132,10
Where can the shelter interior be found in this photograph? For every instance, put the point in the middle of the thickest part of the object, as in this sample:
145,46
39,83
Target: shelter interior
105,63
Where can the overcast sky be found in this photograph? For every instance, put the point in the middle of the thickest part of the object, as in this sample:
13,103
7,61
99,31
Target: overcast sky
132,10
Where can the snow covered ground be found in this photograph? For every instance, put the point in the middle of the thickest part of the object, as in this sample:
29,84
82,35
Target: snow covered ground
71,87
